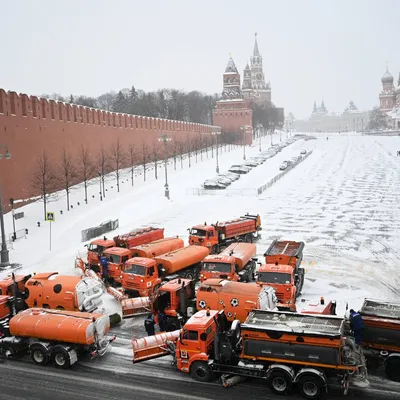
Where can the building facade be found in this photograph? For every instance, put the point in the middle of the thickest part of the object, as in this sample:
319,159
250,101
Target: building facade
389,99
321,120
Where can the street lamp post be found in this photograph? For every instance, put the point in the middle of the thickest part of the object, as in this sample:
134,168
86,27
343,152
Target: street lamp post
216,133
270,130
259,134
243,129
164,138
4,258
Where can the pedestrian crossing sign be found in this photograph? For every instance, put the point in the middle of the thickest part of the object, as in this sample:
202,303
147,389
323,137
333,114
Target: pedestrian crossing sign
50,216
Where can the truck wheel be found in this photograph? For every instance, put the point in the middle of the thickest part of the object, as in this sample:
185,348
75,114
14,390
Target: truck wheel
311,387
39,354
392,368
248,238
61,358
280,382
200,371
190,275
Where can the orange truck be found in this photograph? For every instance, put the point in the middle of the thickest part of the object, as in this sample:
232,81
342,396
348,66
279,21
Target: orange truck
288,351
143,276
282,271
118,256
55,336
236,263
134,238
381,338
63,292
237,299
218,235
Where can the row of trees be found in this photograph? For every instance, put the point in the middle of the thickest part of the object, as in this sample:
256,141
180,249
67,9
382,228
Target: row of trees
82,166
164,103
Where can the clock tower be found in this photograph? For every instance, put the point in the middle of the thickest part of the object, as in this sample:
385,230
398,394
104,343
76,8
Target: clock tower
259,90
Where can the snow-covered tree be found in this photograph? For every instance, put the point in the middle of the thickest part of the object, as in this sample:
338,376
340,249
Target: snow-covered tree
378,119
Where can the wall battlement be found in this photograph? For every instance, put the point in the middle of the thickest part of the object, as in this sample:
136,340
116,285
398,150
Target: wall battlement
30,125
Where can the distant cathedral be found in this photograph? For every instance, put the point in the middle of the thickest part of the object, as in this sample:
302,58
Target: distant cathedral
254,86
389,97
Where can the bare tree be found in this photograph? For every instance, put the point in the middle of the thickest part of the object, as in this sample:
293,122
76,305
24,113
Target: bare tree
103,167
132,159
189,147
175,149
87,168
68,173
118,159
156,157
145,155
44,179
181,150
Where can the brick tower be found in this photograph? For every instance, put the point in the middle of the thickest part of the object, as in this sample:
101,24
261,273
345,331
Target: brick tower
233,113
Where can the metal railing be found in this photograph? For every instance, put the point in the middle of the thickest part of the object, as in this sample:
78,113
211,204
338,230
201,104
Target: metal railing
105,227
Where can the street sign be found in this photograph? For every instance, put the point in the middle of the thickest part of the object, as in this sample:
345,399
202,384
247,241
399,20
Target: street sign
50,216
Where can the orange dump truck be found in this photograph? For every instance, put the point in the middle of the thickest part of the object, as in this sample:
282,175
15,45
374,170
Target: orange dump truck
134,238
142,276
286,350
235,263
381,338
222,233
282,271
63,292
237,299
56,336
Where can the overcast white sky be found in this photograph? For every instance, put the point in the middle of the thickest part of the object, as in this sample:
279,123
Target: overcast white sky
312,49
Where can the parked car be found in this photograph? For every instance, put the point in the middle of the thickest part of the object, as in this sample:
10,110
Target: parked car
212,184
251,163
223,179
232,175
240,169
303,151
284,165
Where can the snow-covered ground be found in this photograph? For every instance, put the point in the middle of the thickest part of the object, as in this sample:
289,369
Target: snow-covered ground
342,201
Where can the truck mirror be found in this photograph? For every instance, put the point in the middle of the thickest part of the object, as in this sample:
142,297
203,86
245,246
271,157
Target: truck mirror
203,337
86,245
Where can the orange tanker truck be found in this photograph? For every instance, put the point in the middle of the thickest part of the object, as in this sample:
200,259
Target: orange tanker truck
136,237
143,276
235,263
286,350
158,247
55,336
63,292
237,299
282,271
222,233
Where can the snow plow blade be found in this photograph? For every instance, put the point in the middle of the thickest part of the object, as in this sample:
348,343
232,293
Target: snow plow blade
135,306
155,346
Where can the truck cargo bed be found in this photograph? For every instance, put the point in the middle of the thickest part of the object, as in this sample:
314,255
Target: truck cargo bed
285,247
383,309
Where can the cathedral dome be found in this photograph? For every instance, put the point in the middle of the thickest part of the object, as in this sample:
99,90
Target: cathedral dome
387,77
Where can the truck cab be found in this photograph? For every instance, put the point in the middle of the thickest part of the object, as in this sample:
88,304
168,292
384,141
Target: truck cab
140,277
222,267
176,300
116,257
281,278
203,235
96,249
7,285
194,346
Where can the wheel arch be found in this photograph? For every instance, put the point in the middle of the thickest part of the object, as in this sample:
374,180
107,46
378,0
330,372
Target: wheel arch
282,368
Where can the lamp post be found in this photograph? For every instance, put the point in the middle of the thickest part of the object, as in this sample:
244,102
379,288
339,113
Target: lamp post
270,123
243,129
216,133
164,138
259,134
4,258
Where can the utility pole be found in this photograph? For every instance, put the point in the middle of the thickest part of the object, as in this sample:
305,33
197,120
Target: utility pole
216,133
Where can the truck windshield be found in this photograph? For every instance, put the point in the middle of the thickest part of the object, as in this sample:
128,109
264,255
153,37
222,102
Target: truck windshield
217,267
136,270
274,277
198,232
96,248
114,258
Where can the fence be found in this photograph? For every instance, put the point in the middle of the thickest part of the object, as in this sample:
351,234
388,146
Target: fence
262,188
105,227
